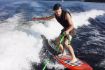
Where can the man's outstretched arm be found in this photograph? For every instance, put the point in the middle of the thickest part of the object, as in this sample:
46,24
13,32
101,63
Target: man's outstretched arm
43,18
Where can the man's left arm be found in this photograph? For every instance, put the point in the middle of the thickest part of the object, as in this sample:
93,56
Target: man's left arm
71,26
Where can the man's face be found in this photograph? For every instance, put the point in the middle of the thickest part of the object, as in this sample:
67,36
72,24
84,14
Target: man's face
58,12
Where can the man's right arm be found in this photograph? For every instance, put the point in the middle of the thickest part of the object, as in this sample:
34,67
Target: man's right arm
43,18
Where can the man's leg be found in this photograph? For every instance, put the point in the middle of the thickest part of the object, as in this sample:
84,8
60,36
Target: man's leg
61,48
67,44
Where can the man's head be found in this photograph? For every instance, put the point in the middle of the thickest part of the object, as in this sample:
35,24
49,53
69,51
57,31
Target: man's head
57,9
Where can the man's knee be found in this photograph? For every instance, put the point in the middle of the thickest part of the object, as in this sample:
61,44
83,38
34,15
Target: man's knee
61,47
66,43
69,37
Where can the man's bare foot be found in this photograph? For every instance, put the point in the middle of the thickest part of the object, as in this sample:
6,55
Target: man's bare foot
74,60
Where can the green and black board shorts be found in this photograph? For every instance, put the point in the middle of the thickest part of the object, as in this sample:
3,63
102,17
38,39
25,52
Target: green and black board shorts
69,37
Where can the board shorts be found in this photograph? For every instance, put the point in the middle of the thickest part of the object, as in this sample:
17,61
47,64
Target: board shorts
69,37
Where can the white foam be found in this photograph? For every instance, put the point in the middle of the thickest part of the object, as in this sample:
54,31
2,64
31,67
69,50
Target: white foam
17,48
81,19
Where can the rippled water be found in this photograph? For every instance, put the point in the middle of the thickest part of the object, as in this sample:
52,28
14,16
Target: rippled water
22,46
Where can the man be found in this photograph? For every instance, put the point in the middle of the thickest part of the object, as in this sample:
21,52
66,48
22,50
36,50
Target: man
65,19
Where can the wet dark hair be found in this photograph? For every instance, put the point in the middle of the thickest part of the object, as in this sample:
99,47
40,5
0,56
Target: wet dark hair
57,6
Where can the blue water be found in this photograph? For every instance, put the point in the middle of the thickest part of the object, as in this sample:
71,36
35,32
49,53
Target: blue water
89,41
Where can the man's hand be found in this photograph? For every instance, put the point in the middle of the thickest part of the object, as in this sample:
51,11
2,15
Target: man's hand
67,32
